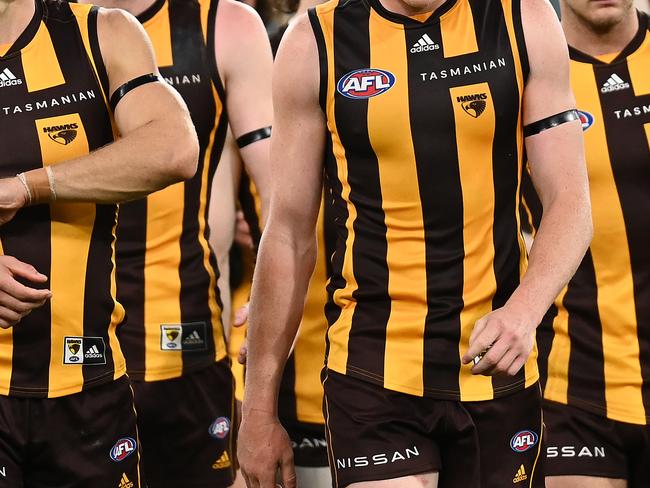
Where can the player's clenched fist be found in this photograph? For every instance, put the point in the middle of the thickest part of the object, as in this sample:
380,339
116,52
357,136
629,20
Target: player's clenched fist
16,299
501,342
263,448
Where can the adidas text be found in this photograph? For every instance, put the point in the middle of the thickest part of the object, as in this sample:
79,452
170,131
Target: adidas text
424,44
614,83
7,78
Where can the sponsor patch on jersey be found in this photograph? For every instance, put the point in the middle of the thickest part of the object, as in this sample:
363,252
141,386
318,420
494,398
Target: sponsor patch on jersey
586,119
84,350
524,440
365,83
123,449
220,428
184,337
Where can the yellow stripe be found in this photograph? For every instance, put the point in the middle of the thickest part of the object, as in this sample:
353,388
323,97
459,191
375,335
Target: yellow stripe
479,281
406,254
309,350
159,31
458,32
40,64
339,332
647,132
71,230
557,383
162,282
616,303
117,317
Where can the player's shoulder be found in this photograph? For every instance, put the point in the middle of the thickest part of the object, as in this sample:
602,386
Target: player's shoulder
239,15
116,22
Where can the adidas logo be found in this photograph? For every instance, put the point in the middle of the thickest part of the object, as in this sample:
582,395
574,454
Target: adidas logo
125,482
614,83
193,338
223,462
7,78
93,352
424,44
521,475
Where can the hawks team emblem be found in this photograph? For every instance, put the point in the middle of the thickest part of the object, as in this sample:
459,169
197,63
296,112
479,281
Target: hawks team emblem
365,83
64,137
172,334
473,105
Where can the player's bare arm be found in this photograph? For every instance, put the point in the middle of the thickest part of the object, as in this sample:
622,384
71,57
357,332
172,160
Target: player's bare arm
245,63
157,145
559,174
287,255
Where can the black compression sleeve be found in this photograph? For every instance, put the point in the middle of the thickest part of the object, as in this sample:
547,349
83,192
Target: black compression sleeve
254,136
550,122
130,85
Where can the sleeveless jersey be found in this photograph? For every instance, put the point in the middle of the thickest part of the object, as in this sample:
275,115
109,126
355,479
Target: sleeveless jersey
53,109
424,158
595,341
167,273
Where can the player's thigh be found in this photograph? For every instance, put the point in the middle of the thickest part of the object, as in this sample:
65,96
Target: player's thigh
313,477
427,480
583,482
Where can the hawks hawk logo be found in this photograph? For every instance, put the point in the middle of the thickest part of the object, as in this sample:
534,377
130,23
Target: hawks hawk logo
64,137
74,347
172,334
473,105
62,134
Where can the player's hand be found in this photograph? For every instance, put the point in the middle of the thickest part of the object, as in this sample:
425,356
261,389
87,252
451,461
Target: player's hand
504,338
17,300
241,319
13,197
263,448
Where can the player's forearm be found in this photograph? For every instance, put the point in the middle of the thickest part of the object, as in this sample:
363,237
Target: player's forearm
281,279
560,245
149,158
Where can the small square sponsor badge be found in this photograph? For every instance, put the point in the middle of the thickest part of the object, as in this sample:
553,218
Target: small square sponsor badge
84,350
184,337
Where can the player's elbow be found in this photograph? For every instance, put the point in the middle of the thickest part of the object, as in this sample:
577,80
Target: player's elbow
183,153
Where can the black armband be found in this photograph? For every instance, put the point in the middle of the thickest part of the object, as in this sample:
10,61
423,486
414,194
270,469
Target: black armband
131,85
254,136
550,122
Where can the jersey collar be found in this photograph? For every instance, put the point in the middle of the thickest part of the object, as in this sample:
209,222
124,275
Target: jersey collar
29,32
408,21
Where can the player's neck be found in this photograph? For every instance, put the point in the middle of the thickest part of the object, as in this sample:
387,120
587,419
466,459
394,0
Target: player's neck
134,7
584,37
412,7
15,15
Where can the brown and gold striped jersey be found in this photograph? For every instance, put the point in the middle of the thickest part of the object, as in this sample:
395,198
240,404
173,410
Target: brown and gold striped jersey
424,158
301,391
52,109
167,273
595,342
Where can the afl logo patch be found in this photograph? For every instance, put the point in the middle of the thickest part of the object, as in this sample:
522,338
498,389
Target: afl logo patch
586,119
524,440
365,83
123,449
220,428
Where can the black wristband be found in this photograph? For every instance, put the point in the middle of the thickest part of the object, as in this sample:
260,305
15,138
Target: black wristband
550,122
254,136
130,85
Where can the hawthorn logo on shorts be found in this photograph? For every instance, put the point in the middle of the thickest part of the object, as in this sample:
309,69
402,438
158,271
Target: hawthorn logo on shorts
84,350
365,83
183,337
220,428
62,134
586,119
473,105
524,440
123,449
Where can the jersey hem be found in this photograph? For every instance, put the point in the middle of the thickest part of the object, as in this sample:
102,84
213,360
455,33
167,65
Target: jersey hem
26,392
435,393
614,413
150,376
